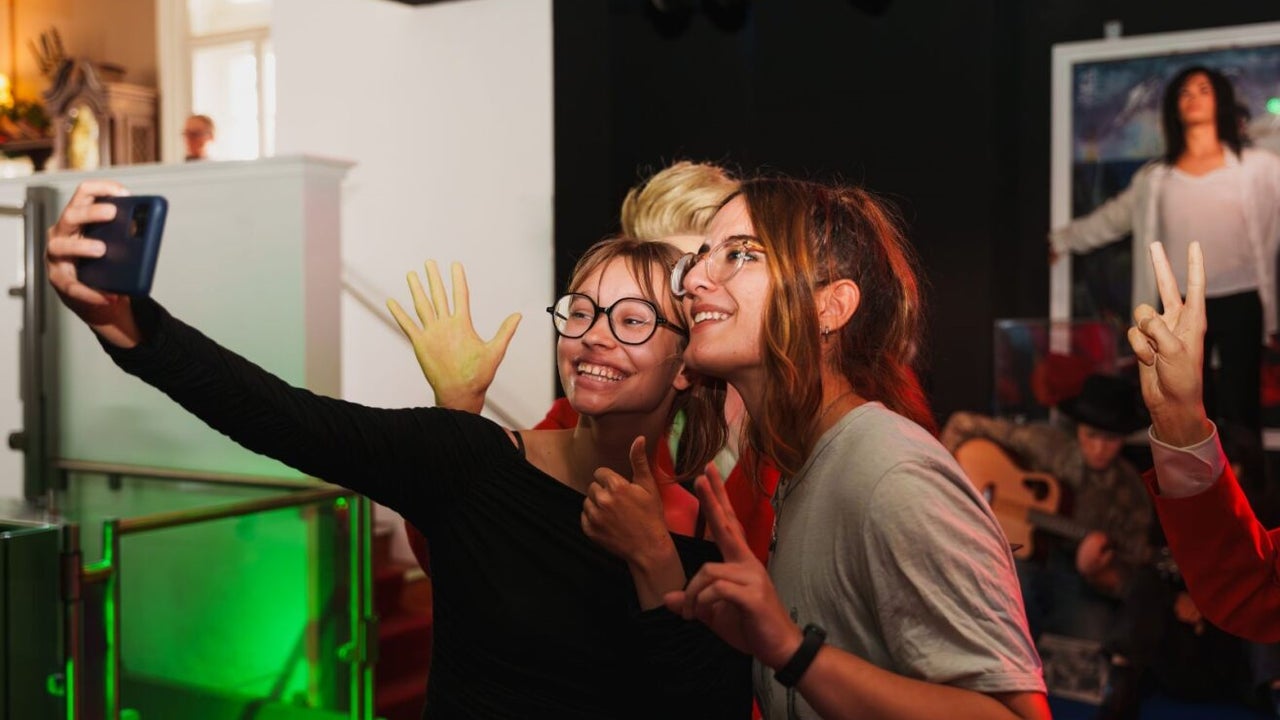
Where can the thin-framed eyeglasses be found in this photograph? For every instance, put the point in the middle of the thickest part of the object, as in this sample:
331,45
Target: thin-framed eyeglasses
722,261
631,320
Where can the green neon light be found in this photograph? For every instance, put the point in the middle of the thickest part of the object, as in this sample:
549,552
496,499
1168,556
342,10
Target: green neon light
54,686
1273,106
109,611
70,674
360,573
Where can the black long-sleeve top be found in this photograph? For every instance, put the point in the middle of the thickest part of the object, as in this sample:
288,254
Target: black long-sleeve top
533,619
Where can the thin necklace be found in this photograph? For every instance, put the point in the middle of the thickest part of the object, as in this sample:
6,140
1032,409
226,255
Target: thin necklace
832,405
785,488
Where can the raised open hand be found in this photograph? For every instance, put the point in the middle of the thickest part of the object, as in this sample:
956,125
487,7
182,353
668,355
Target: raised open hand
1170,351
458,365
108,314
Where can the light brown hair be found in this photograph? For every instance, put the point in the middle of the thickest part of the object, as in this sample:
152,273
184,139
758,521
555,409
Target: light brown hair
704,430
814,234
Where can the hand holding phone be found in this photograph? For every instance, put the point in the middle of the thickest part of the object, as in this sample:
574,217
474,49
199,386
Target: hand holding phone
133,245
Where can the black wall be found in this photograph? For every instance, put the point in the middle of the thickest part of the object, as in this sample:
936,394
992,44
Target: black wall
943,107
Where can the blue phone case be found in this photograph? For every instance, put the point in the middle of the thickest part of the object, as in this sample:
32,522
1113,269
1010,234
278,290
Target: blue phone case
133,245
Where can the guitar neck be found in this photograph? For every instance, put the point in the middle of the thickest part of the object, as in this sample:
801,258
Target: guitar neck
1058,525
1074,531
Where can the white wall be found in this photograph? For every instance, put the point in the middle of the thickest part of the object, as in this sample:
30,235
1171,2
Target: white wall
447,112
11,272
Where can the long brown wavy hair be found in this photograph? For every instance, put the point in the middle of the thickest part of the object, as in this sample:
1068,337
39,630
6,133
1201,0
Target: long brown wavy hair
814,234
704,430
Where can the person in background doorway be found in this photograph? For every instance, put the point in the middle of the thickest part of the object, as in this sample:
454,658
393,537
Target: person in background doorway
197,135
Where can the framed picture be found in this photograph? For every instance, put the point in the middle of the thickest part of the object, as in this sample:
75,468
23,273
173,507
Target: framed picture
1106,125
1030,379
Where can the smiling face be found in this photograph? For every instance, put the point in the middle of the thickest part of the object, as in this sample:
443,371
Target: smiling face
727,317
601,375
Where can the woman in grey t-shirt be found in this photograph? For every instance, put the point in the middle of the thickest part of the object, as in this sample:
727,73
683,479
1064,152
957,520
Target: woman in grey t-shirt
805,300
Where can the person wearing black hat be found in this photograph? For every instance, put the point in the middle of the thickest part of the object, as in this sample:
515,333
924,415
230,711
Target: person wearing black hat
1075,589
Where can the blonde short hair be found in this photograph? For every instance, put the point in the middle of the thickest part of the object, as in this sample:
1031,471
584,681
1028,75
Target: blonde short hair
677,200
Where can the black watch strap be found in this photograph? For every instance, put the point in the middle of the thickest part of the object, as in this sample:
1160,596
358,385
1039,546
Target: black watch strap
814,637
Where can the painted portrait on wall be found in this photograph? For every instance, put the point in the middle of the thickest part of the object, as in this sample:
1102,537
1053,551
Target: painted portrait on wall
1115,129
1106,125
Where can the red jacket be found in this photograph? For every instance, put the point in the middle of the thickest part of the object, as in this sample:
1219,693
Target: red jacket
1229,561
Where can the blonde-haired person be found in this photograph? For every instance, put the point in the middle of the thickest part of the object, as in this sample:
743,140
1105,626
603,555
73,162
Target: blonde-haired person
676,203
536,618
807,302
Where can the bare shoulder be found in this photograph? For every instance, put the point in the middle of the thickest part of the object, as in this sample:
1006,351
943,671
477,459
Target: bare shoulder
547,450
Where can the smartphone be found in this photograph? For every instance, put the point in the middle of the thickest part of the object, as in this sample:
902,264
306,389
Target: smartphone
133,244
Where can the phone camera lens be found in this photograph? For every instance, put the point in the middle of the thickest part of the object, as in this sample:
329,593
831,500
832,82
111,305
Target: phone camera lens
138,221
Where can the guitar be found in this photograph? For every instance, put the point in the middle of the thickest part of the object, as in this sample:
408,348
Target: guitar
1024,502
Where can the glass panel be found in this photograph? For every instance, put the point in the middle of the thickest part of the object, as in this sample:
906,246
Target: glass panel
12,273
224,86
30,610
224,618
208,17
1040,362
90,499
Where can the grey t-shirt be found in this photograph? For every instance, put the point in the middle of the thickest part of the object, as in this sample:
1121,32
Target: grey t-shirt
883,542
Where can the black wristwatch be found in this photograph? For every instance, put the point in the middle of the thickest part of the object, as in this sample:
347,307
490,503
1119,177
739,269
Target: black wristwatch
814,637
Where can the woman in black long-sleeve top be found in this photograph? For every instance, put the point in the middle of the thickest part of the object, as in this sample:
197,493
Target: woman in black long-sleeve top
536,620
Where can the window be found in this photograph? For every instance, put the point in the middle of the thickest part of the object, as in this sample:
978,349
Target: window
223,67
230,83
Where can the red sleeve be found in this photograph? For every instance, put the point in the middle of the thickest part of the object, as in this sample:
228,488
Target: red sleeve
753,504
418,544
1227,558
561,416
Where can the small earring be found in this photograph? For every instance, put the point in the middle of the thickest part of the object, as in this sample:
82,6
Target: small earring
825,332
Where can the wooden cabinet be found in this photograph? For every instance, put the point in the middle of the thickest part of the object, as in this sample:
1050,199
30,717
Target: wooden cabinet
99,122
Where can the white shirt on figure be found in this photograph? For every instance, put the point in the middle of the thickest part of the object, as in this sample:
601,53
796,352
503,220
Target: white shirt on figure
1209,209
